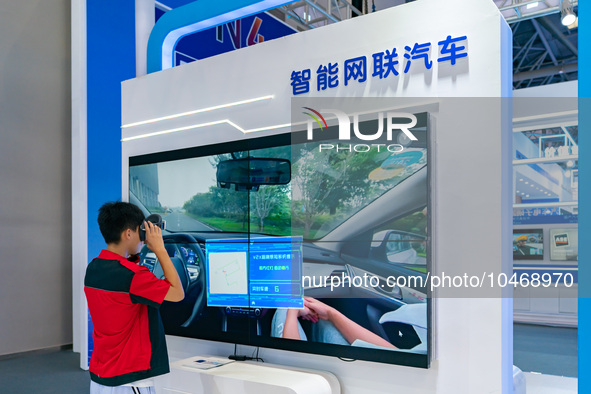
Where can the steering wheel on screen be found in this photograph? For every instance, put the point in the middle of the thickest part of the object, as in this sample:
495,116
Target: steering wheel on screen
173,243
201,286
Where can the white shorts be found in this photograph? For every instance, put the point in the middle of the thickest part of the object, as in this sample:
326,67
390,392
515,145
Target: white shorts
96,388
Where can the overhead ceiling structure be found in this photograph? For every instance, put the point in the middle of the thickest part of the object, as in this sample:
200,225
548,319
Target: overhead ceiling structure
310,14
519,10
544,50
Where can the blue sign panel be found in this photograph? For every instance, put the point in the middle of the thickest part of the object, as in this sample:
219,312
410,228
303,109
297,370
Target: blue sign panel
230,36
546,219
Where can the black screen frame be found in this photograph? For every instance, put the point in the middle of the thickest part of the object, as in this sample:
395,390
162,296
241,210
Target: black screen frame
346,352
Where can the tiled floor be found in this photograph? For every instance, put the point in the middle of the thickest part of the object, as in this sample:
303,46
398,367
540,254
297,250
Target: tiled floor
548,350
56,372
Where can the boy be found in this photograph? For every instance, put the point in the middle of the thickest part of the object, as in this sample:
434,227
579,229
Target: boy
123,300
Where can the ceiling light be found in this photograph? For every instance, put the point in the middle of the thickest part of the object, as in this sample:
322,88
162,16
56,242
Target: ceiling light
567,15
569,19
277,126
196,126
527,195
532,5
521,179
197,111
526,182
532,185
570,163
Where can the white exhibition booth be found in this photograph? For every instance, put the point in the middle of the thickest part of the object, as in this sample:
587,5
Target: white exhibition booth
247,93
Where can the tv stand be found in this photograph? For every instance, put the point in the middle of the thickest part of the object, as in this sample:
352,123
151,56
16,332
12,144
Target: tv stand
245,377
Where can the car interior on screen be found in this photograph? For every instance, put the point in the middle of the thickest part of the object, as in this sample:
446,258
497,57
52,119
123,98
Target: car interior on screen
283,244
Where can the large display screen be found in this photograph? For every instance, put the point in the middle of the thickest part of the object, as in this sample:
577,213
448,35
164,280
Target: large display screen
306,259
564,244
528,244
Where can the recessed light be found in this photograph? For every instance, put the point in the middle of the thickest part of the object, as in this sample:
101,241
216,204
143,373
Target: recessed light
526,182
527,195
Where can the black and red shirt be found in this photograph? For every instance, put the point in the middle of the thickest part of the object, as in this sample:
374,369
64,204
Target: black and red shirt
123,300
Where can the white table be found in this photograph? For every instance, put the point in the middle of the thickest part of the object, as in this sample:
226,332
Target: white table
245,377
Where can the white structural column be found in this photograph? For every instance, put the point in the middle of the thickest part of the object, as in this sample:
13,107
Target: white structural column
79,179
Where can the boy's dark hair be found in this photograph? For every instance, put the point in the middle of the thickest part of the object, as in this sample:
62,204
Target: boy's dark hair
116,217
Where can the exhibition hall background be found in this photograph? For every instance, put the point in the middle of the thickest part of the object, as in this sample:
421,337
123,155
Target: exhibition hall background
35,175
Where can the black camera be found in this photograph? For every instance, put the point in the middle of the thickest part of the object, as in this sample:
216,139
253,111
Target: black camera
156,220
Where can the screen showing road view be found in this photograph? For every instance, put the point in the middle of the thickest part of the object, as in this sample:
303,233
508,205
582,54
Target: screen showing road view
302,249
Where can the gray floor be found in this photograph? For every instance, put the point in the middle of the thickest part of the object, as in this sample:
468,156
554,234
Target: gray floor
548,350
56,372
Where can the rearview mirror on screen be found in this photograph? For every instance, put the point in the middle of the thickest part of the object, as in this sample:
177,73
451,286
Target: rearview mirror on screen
250,173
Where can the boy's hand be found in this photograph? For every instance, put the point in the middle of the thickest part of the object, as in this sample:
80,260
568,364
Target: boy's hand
154,240
155,243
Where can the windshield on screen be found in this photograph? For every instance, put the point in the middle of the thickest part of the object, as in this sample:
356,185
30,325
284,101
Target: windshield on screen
326,188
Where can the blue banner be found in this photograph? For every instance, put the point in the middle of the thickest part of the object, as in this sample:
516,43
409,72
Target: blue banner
238,34
545,219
